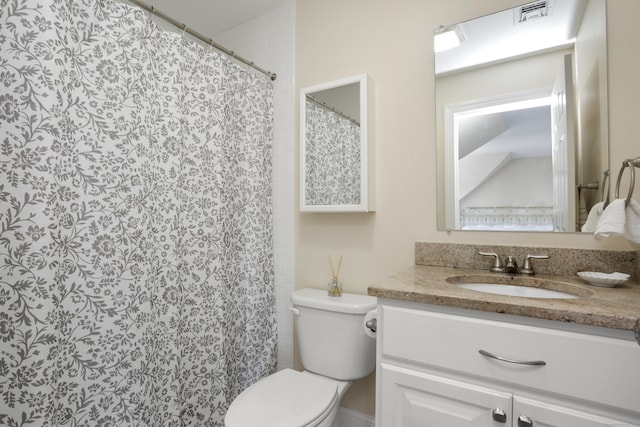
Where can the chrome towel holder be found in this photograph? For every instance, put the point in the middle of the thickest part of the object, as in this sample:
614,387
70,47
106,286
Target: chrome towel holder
605,187
631,164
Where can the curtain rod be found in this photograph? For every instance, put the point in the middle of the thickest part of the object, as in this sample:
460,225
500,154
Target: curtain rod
330,108
199,36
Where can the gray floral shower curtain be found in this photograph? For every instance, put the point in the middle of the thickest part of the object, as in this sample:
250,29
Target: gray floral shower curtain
136,264
332,159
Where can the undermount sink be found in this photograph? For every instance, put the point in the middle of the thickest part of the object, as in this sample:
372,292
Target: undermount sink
519,286
516,291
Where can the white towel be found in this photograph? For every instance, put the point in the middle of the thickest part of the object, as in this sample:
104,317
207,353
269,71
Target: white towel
632,226
612,221
594,217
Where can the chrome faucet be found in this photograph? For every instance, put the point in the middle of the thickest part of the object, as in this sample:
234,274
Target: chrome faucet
510,265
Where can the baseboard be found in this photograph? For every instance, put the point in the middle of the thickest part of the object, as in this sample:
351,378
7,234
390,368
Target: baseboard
349,418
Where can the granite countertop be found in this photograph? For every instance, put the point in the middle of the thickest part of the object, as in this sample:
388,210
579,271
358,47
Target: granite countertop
605,307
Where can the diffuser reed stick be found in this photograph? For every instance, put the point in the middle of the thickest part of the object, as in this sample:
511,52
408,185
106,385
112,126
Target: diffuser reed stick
333,271
335,290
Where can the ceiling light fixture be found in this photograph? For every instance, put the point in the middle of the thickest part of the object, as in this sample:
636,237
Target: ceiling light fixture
445,38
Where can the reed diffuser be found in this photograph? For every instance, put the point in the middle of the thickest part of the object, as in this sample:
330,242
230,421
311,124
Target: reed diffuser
335,287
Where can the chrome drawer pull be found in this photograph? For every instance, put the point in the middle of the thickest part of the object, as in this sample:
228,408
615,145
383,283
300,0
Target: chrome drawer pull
519,362
499,415
524,421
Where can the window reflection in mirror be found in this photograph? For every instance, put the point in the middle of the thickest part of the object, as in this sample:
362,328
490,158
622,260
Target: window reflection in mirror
521,132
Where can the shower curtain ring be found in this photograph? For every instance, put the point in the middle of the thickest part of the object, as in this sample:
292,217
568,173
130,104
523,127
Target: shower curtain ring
151,11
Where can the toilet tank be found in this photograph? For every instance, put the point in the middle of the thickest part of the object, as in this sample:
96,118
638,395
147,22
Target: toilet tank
331,336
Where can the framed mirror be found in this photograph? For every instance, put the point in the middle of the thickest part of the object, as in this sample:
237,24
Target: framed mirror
521,118
337,152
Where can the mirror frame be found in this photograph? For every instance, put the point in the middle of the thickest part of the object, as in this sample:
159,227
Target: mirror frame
367,147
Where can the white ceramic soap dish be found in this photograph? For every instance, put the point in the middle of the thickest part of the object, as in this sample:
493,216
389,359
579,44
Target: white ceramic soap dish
606,280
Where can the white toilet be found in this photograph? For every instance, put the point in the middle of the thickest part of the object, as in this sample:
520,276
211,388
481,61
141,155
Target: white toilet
334,349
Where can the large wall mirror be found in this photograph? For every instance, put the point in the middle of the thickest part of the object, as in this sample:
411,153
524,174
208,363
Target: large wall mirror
521,118
337,152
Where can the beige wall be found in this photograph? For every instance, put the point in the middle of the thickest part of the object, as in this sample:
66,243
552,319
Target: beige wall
391,41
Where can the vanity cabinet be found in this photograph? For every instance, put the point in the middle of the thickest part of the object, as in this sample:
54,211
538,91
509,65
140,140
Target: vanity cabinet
431,371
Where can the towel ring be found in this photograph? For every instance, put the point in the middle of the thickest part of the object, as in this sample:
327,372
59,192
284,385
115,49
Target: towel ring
605,186
631,164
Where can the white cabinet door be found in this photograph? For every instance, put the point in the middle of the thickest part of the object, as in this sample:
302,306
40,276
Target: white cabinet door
541,414
416,399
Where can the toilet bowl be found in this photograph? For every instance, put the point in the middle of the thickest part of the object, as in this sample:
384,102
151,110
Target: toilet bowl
334,350
288,398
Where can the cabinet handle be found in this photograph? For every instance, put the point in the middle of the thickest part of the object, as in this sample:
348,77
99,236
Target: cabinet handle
524,421
519,362
499,415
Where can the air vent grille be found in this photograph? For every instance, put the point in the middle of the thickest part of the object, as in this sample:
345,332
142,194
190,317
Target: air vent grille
527,12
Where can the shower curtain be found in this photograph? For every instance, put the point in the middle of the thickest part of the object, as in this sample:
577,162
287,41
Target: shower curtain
332,159
136,264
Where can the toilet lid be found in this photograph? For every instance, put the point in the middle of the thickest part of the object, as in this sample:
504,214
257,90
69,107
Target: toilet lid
286,398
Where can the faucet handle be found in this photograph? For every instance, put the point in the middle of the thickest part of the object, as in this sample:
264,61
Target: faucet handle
527,266
497,264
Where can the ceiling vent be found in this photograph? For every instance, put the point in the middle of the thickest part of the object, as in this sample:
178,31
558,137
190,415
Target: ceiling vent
527,12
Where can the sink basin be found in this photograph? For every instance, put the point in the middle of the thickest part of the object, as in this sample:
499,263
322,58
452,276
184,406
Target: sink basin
519,286
516,291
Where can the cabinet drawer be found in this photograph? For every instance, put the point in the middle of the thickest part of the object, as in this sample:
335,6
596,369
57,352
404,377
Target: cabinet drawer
599,369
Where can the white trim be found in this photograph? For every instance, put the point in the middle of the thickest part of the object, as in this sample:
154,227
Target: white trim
349,418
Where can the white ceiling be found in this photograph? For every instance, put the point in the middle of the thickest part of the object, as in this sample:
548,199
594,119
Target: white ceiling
497,37
525,133
211,17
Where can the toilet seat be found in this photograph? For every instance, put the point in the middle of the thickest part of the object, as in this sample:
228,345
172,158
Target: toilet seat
287,398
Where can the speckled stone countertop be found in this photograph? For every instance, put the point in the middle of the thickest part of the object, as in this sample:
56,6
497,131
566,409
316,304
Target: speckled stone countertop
605,307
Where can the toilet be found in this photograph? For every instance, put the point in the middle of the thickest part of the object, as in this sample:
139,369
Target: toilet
335,349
